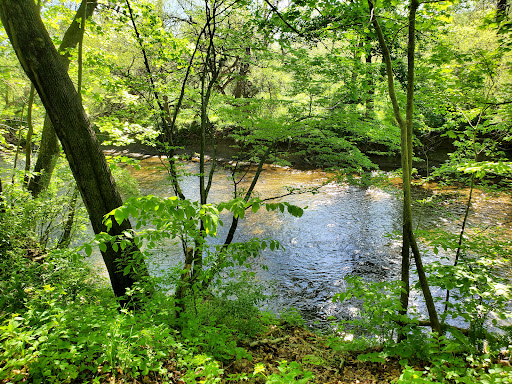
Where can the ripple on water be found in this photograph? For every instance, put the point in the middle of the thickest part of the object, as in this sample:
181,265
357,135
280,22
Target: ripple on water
341,232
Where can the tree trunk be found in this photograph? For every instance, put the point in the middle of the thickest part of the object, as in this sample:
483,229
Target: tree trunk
18,145
65,239
210,74
30,131
369,102
241,86
45,68
2,200
409,240
49,150
183,283
47,157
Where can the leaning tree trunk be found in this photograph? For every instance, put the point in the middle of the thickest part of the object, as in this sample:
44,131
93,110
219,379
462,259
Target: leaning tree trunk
43,65
49,149
30,131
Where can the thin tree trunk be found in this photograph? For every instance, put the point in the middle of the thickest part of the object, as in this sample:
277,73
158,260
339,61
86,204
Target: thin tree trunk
356,67
406,221
183,283
49,150
30,131
234,223
172,122
206,90
68,226
461,236
409,240
2,199
369,102
45,68
370,94
168,124
18,145
411,48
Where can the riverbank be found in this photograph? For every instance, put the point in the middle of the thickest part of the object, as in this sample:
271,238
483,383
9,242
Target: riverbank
60,325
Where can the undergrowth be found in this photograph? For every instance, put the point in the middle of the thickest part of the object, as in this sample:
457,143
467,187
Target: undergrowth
59,324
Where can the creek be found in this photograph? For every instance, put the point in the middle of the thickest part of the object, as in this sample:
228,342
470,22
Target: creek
344,231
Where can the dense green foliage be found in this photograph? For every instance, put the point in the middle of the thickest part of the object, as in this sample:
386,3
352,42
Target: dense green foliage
59,324
298,84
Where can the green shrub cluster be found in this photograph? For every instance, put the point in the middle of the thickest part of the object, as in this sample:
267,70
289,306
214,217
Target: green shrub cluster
60,322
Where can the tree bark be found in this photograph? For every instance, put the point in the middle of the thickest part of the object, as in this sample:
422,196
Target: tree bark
49,149
18,144
370,95
2,200
68,226
248,194
45,68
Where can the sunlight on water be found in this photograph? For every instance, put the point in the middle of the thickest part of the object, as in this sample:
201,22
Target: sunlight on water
343,231
340,233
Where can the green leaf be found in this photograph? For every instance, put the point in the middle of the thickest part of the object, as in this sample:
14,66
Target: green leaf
119,216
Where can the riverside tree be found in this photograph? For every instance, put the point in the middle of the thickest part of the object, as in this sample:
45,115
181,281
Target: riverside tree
43,65
49,150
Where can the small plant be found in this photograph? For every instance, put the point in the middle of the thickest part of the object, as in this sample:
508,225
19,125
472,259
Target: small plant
478,295
292,317
378,319
289,373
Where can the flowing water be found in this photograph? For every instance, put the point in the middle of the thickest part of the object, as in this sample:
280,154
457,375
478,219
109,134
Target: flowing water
343,231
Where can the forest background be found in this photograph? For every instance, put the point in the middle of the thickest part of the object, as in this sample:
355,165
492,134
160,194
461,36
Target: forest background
342,86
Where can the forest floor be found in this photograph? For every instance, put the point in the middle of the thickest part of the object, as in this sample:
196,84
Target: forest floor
315,354
290,343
